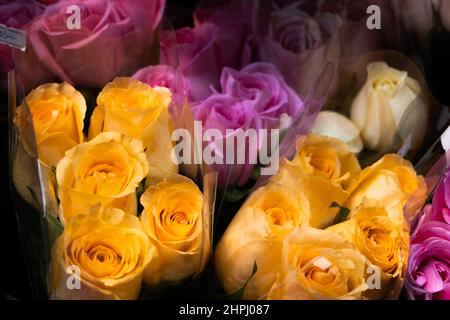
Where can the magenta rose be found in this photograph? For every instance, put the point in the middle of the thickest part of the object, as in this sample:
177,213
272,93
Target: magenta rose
165,76
222,112
203,51
262,84
114,39
440,209
429,262
299,38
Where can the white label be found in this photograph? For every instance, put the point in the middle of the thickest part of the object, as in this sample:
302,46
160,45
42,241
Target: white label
13,37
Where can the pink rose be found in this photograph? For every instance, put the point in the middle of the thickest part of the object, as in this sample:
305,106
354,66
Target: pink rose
114,39
15,14
203,51
262,84
222,112
165,76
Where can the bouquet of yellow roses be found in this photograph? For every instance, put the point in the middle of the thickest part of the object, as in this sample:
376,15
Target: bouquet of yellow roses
108,213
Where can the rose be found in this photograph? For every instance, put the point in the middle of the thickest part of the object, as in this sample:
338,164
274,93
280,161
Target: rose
429,268
255,235
15,14
172,218
440,210
382,242
168,77
105,170
326,157
222,112
110,250
335,125
57,112
390,183
78,55
203,52
263,84
321,163
395,99
135,109
319,264
299,38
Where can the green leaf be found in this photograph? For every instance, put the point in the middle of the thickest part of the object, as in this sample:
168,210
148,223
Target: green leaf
235,194
55,228
342,214
239,294
256,172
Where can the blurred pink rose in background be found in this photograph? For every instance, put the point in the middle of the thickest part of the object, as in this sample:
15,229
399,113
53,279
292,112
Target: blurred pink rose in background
115,38
16,14
203,51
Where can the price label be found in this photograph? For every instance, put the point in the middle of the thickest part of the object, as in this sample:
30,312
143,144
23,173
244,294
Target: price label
13,37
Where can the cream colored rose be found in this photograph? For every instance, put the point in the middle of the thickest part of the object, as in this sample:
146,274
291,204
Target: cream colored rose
133,108
172,218
255,235
390,183
106,170
389,108
383,242
335,125
319,264
108,248
57,112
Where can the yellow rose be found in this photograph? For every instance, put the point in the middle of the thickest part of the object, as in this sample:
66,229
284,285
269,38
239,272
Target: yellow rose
326,157
381,241
57,112
320,168
172,218
255,235
319,264
388,183
389,108
135,109
105,170
108,248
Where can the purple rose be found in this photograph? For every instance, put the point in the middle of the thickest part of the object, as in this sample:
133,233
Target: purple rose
428,274
222,112
262,84
165,76
203,51
114,39
299,38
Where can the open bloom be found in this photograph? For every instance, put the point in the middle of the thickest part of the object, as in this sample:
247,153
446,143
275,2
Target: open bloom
429,262
172,218
384,243
255,235
105,252
319,264
391,183
105,170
